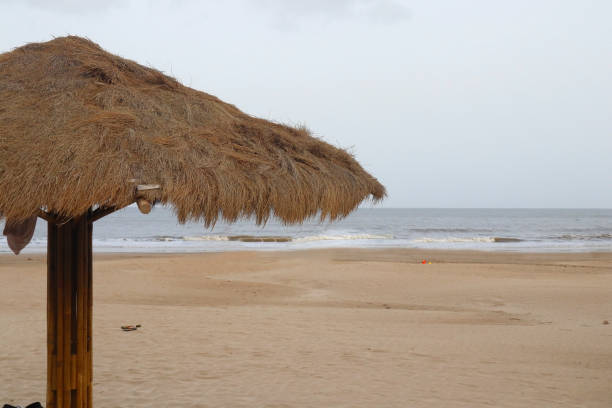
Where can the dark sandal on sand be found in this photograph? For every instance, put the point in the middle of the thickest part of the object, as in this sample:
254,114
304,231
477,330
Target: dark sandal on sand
125,328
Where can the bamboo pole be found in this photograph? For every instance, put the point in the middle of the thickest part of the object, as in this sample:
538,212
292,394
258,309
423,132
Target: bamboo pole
70,309
69,313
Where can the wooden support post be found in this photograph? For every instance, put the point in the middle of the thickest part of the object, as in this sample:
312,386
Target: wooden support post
69,313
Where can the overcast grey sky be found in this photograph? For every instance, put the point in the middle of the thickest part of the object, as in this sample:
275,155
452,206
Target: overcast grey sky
449,103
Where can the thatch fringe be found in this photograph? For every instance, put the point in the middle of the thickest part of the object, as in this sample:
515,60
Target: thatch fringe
80,127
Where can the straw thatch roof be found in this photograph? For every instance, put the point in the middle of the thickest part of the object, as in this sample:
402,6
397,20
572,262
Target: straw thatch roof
80,127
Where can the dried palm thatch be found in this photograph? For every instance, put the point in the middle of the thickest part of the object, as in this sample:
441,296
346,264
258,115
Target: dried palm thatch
80,127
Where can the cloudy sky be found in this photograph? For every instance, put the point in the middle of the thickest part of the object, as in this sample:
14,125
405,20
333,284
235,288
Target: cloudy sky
449,103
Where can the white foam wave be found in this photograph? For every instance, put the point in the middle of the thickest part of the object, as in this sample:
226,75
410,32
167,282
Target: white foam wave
312,238
207,238
342,237
453,240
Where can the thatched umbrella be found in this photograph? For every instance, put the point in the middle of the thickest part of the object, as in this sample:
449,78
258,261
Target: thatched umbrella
84,133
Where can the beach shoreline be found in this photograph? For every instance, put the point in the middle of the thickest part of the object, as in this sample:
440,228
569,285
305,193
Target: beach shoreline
328,327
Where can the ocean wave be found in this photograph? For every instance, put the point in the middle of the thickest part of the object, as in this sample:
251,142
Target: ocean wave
342,237
450,230
584,237
503,239
465,240
279,238
164,238
205,238
259,238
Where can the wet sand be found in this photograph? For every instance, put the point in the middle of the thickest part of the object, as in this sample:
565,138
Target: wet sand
327,328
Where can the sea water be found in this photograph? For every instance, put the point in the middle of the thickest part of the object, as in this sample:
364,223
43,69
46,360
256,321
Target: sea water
548,230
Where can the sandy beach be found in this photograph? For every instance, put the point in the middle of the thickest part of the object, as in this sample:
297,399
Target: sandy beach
327,328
